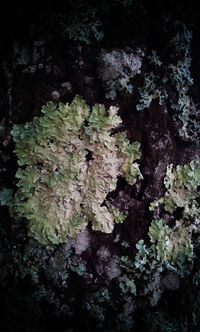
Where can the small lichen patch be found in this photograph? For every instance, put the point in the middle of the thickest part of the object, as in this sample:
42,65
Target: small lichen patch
170,242
70,162
117,67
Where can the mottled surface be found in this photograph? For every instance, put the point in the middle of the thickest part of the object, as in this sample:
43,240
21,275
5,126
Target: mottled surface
97,281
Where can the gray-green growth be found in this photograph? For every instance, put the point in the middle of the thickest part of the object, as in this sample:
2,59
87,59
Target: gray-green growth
70,163
182,192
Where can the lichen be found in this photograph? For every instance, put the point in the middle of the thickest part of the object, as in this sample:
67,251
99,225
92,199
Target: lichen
180,76
69,161
144,267
5,196
182,194
170,242
82,25
127,285
182,189
177,74
117,68
150,91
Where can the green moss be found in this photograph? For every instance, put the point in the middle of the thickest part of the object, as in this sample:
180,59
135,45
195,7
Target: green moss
71,161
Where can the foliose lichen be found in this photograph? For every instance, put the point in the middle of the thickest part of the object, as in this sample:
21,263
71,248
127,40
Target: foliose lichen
180,76
170,242
117,68
177,74
146,267
150,92
82,26
69,161
182,194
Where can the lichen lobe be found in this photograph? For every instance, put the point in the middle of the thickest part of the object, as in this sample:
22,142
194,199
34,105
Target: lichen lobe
60,188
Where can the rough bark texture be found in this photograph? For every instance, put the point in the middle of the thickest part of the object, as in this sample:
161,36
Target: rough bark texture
91,281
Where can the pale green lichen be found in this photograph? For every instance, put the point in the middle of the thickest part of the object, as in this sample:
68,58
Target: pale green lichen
154,59
170,242
117,68
145,266
150,92
145,260
182,189
182,184
178,75
71,161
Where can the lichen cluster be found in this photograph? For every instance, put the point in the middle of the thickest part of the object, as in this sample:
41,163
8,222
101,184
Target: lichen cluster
182,195
117,68
150,91
181,78
69,161
156,85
